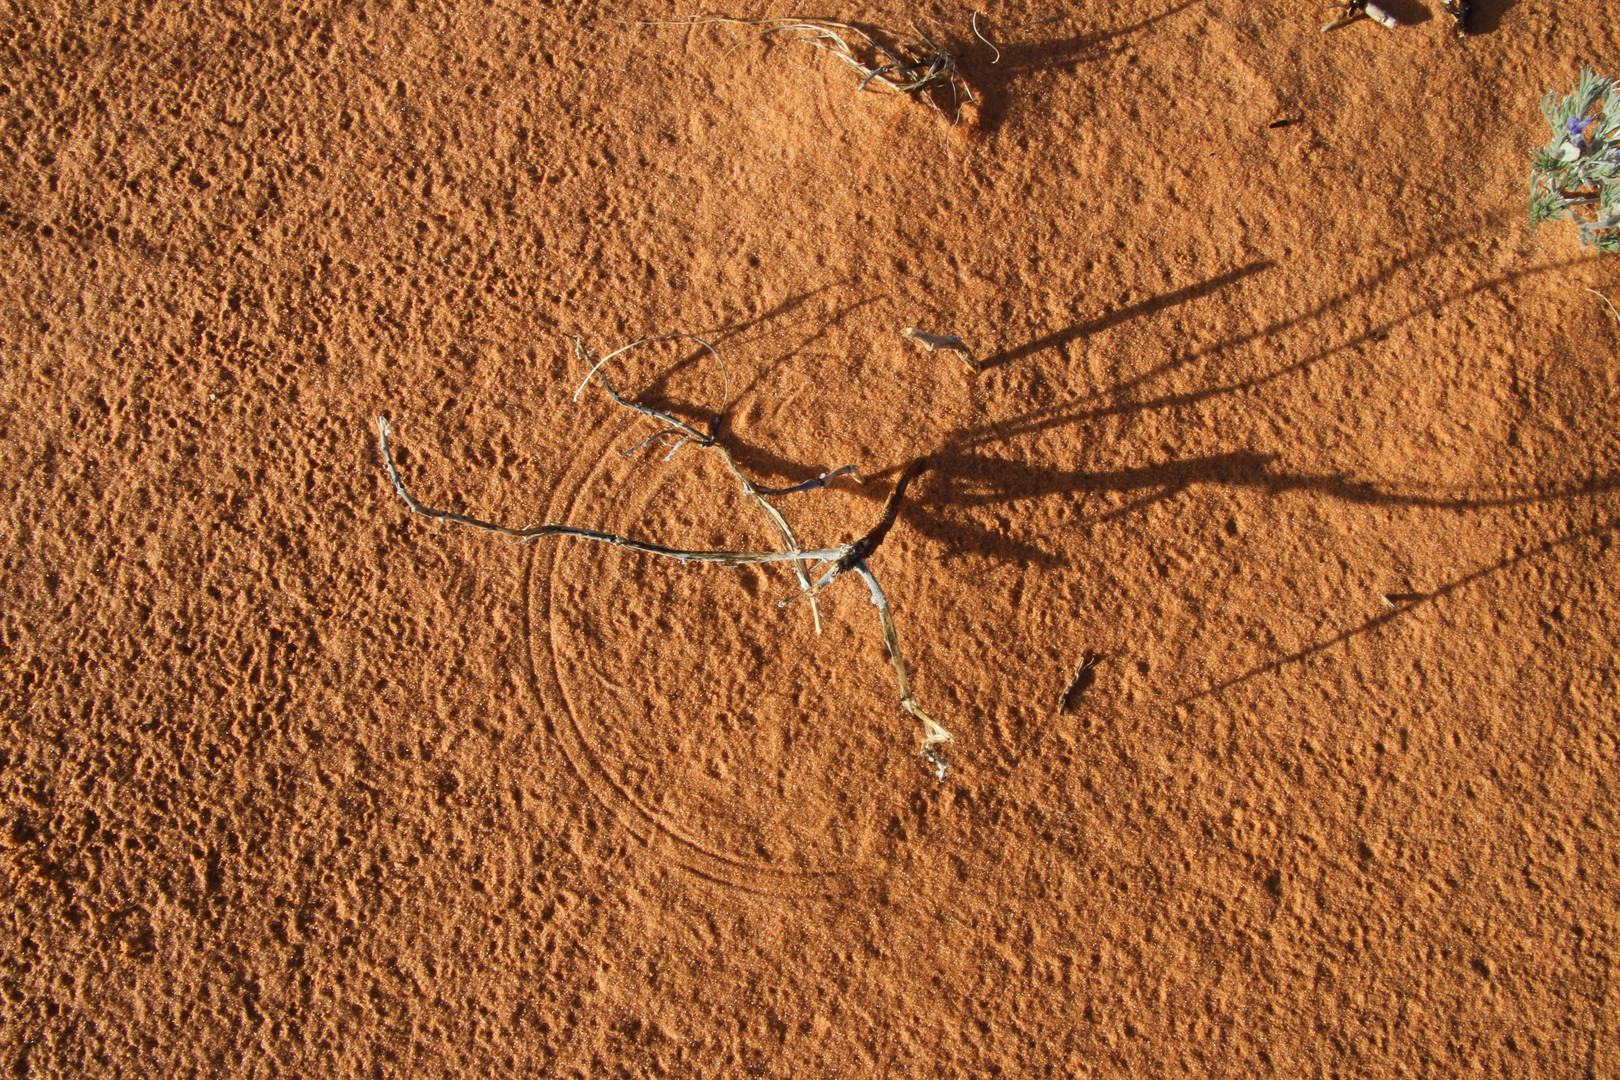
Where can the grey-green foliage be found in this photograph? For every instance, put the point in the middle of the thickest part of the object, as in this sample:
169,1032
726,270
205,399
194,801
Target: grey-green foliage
1577,175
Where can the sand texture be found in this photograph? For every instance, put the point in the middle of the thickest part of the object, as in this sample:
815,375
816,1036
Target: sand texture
294,783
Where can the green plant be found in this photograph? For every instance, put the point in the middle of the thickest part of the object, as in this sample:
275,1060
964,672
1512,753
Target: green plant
1578,173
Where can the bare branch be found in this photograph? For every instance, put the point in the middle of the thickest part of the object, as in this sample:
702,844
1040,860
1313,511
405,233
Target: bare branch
538,532
810,485
933,733
782,528
704,438
838,560
725,382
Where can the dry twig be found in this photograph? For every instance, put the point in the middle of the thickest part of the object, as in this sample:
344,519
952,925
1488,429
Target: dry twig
839,560
1084,676
1607,304
919,69
948,342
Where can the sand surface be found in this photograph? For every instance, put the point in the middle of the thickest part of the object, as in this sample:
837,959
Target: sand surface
294,783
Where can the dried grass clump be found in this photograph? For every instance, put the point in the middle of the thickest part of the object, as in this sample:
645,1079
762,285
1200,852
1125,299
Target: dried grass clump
924,70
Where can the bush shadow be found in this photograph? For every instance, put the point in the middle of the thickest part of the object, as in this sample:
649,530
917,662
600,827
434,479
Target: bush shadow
993,72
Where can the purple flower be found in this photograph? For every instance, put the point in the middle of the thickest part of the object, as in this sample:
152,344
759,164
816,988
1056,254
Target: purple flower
1576,126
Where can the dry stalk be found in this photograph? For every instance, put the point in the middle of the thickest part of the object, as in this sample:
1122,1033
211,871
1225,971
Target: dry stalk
839,560
920,69
948,342
1084,676
1607,304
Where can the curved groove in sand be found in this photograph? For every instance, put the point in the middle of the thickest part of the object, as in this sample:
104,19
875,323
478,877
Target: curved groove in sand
584,759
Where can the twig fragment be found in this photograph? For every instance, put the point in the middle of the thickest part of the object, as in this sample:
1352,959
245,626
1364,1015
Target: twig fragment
974,22
1605,300
1355,9
800,568
690,433
1084,676
948,342
537,532
725,381
934,735
859,550
854,559
918,70
810,485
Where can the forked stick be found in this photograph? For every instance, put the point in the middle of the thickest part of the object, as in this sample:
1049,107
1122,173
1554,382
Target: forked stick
854,559
536,532
842,559
706,441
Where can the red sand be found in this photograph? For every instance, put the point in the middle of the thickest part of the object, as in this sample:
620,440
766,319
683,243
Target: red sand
297,784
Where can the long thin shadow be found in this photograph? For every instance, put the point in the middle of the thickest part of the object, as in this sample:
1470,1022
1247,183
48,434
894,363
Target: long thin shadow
1150,306
956,536
823,328
1016,480
1060,415
759,462
701,414
958,480
721,335
1448,589
995,82
998,430
998,481
955,475
788,304
1063,416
